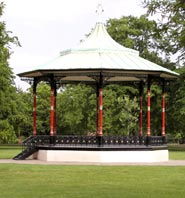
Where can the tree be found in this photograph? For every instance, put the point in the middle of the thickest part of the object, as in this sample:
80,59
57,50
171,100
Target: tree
22,119
76,109
176,104
144,35
170,16
7,134
7,88
43,108
120,110
141,34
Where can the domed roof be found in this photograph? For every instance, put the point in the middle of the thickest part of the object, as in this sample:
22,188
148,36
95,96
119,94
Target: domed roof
99,53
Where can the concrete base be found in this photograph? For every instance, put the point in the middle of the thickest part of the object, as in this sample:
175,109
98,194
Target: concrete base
103,156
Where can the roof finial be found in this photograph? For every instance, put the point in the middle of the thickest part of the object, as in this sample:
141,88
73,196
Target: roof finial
99,11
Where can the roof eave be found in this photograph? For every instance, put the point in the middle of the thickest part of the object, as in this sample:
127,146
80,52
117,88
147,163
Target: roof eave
79,72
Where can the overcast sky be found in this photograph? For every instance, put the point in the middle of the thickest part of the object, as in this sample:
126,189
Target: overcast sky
46,27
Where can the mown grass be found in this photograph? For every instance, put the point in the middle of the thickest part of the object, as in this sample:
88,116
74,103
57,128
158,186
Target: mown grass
176,151
44,181
177,155
8,152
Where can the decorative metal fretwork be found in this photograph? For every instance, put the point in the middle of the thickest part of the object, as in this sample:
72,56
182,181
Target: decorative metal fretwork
91,140
34,143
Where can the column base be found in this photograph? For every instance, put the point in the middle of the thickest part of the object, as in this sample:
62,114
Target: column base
164,139
52,140
140,139
100,140
148,140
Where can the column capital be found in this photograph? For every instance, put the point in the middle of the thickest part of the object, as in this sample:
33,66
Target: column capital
101,80
163,85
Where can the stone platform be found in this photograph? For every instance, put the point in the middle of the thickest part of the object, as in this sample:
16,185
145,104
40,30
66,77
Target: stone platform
107,156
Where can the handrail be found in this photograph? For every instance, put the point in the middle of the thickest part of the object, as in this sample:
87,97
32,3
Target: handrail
80,140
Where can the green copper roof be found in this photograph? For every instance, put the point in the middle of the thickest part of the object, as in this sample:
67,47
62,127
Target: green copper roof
100,52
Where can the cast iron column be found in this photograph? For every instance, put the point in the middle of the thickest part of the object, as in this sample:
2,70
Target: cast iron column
140,111
52,110
55,104
141,108
148,134
100,132
163,112
34,107
97,109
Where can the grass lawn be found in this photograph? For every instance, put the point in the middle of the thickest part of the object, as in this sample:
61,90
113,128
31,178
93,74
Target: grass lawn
50,181
177,152
8,152
177,155
44,181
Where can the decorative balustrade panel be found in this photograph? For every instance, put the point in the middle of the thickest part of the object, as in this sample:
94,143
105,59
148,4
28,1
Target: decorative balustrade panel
74,140
156,140
123,140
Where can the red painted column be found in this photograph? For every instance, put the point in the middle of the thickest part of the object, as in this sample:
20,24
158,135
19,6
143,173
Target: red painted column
34,108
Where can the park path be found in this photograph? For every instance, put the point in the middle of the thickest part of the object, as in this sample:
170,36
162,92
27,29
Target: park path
28,161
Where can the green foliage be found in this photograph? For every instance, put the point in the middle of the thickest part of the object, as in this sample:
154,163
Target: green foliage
120,110
76,109
141,34
129,115
43,108
7,134
170,16
7,90
22,119
133,32
144,35
176,104
156,108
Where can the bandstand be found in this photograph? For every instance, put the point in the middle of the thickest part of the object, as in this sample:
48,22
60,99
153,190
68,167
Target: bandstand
98,61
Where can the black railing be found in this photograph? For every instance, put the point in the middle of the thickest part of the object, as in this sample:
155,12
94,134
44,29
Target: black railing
29,147
124,140
157,140
74,140
33,143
